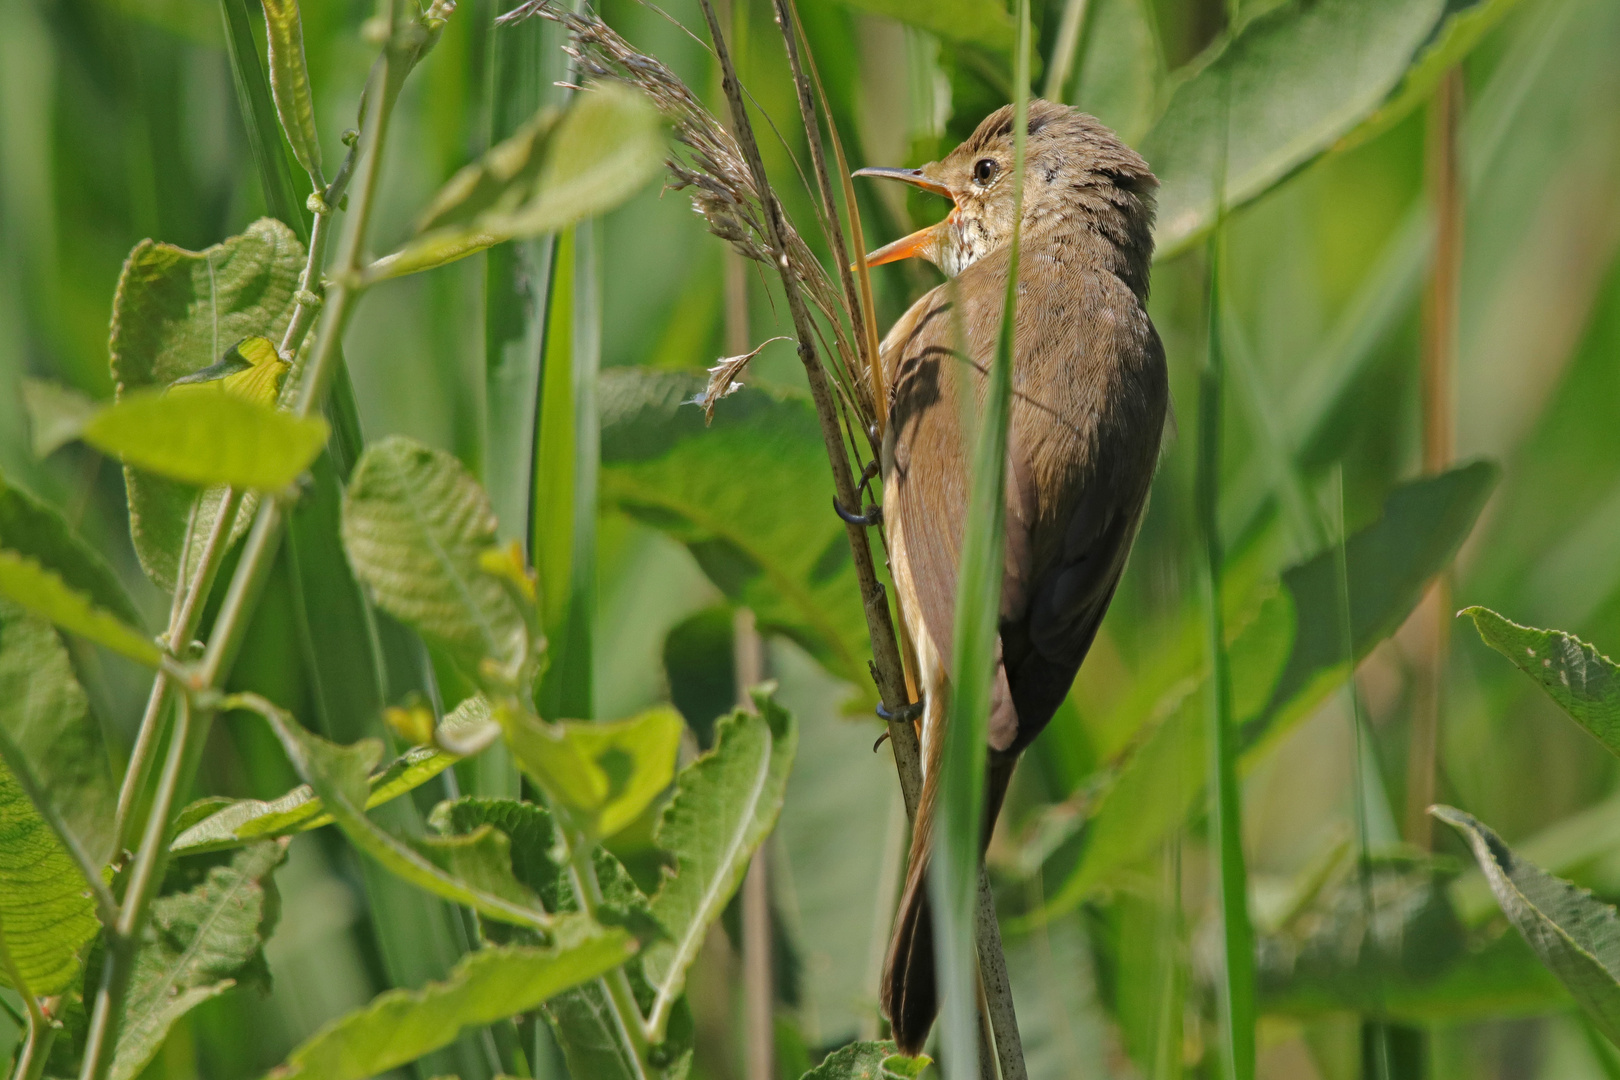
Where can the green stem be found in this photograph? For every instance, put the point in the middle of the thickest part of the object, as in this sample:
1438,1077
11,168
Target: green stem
406,42
632,1028
40,1034
1236,990
183,619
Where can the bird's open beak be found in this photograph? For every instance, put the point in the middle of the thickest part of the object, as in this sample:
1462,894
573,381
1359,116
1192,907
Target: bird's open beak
919,244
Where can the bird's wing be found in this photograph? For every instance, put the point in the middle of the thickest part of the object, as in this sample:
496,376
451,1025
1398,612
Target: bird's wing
1088,406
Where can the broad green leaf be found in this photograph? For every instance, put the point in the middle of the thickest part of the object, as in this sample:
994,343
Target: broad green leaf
43,592
56,414
208,438
36,529
601,775
1120,68
289,84
1576,935
46,915
1388,565
1299,77
1462,27
1584,682
973,22
47,733
1285,663
1389,945
400,1026
414,524
867,1061
474,869
558,169
725,804
176,312
300,810
201,943
750,497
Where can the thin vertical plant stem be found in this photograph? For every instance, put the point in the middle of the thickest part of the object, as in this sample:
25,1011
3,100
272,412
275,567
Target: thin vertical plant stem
1235,989
954,868
886,666
1066,49
39,1034
1439,375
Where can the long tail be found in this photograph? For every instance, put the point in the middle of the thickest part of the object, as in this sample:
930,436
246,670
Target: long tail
909,991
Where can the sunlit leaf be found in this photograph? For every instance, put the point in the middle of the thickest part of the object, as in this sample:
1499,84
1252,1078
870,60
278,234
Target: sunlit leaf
1460,29
414,524
177,312
300,810
48,734
43,592
868,1061
400,1026
601,775
750,497
474,869
38,530
725,804
1298,77
205,439
289,83
1584,682
1574,933
202,943
46,914
975,22
558,169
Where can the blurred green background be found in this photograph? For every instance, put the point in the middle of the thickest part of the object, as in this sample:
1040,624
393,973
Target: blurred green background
119,121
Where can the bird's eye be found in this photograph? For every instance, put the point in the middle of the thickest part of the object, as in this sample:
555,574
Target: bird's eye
984,170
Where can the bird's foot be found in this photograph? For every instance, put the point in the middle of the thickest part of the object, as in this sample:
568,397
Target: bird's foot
906,713
873,515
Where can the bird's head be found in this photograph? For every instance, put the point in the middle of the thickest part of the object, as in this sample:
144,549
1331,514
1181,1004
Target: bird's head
1075,170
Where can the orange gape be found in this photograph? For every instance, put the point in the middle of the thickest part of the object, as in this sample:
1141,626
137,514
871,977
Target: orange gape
1090,396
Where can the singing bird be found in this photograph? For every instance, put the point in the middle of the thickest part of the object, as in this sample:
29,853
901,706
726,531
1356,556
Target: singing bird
1090,396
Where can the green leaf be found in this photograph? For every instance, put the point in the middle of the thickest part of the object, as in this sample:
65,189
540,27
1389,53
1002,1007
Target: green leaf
974,22
725,804
1388,565
1301,76
46,915
47,733
300,810
748,496
601,775
206,439
1120,69
868,1061
414,524
1462,27
1584,682
36,529
488,985
474,870
43,592
176,312
289,84
1576,935
56,414
1286,661
200,944
558,169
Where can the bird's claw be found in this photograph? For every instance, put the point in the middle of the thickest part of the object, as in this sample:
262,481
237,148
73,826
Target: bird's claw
905,713
873,515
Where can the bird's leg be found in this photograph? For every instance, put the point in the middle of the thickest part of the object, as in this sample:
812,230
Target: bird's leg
874,512
907,713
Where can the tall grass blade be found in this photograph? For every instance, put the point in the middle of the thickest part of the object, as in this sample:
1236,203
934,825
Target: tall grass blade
567,458
1235,988
259,118
955,865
